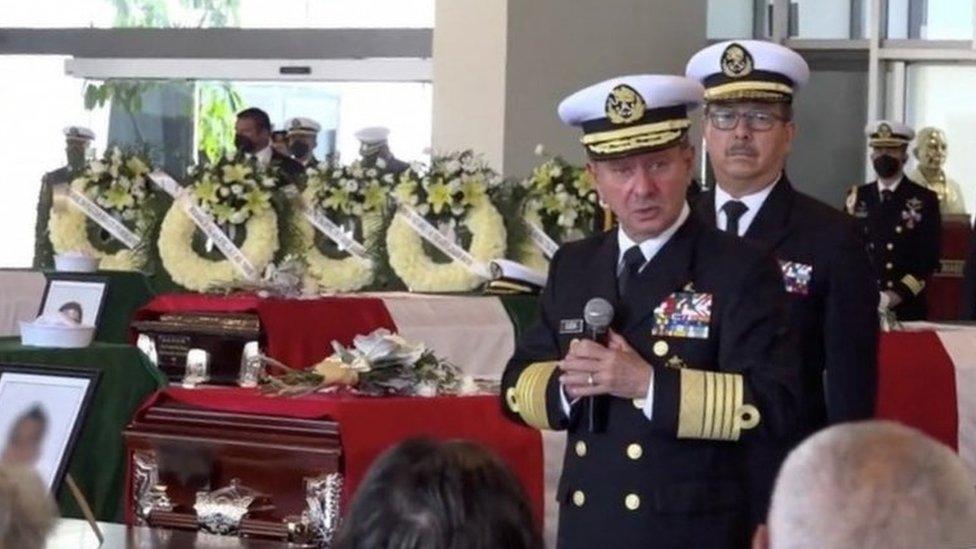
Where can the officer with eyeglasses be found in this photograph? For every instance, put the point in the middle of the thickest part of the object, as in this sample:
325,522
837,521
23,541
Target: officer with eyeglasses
749,129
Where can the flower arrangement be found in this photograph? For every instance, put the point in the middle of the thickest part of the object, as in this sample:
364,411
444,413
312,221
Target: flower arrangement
237,193
232,189
560,201
378,363
454,195
118,184
356,199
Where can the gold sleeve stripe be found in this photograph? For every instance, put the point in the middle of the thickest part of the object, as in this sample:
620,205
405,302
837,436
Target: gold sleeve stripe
529,398
711,406
915,285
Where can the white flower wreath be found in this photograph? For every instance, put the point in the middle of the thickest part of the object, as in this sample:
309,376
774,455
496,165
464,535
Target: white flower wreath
455,189
193,272
421,274
118,184
561,201
233,191
351,191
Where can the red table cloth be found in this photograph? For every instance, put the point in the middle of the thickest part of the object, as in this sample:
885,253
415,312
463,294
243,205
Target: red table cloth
370,425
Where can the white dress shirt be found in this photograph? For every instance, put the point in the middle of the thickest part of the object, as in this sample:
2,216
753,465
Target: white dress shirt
888,187
264,155
649,248
752,201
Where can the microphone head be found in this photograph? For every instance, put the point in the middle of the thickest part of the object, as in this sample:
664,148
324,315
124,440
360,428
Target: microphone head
598,313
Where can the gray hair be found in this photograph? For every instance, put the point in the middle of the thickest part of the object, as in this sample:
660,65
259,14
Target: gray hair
872,484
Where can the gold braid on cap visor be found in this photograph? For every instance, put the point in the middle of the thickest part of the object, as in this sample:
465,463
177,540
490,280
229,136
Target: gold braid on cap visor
752,89
635,137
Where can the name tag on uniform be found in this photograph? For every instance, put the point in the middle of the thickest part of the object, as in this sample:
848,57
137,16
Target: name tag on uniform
683,314
571,326
796,277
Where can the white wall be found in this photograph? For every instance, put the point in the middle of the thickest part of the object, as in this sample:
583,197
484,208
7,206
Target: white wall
470,45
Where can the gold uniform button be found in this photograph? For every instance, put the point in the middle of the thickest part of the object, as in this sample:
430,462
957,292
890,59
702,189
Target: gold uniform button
634,451
898,229
889,266
510,399
579,498
660,348
580,448
639,403
891,284
632,501
890,246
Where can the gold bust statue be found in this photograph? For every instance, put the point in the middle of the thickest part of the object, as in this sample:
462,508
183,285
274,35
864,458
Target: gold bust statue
930,151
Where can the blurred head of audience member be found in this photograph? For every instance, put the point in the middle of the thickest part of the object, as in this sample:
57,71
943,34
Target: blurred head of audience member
27,511
871,485
433,495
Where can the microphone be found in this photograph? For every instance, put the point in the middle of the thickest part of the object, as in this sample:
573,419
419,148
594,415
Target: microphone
597,315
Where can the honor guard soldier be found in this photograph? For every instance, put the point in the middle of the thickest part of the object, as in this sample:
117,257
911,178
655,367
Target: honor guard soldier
749,129
374,151
303,135
77,142
695,361
900,221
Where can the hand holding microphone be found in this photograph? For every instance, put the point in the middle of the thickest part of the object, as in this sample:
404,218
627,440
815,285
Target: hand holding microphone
604,363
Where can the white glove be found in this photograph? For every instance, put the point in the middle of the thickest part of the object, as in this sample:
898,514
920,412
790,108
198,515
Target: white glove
884,302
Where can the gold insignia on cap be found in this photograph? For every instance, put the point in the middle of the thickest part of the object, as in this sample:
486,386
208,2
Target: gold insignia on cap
624,105
884,131
736,61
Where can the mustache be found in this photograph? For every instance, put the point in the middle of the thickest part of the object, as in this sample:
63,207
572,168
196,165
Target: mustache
741,149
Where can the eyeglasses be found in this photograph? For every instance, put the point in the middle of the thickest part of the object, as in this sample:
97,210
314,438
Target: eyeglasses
755,120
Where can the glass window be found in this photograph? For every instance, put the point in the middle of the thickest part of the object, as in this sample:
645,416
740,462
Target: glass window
930,19
220,13
940,95
175,121
730,19
828,19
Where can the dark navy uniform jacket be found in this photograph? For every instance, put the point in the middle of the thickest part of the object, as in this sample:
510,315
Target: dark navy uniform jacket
833,310
679,479
903,239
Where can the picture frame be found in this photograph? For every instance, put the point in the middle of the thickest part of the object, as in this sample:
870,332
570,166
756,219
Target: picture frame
42,412
80,296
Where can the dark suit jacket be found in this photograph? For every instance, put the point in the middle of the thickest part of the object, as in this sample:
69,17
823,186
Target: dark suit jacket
290,170
903,239
677,480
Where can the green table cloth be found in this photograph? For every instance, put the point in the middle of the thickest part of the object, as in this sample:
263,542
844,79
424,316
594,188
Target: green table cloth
127,378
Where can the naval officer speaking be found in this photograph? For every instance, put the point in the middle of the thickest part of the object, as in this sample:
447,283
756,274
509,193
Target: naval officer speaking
695,361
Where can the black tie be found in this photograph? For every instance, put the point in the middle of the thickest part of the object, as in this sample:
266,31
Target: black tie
633,260
733,211
886,196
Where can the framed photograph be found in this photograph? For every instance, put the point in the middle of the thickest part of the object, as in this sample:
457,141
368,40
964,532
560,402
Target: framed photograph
80,297
42,410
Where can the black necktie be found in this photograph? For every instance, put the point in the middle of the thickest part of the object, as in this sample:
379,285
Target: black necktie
886,196
633,260
733,211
